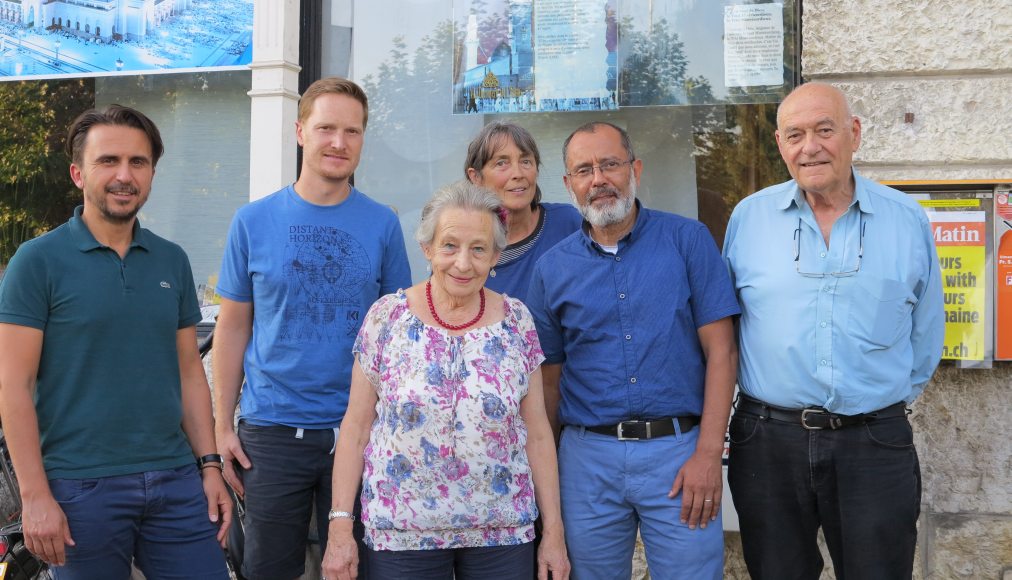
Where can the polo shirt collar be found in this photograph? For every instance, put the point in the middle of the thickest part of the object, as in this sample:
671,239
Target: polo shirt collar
641,219
793,195
86,242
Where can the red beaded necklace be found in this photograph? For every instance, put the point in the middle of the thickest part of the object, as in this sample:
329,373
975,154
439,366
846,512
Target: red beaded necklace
432,310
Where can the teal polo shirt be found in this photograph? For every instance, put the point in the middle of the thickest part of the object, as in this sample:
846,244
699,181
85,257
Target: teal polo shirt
108,393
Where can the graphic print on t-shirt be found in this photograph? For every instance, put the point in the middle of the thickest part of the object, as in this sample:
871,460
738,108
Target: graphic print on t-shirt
326,269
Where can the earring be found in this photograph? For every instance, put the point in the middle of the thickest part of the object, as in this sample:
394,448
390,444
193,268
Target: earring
492,273
428,268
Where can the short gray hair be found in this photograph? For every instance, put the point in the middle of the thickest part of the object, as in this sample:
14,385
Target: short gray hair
466,196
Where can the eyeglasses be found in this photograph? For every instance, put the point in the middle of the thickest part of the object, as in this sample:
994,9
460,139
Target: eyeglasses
612,167
841,274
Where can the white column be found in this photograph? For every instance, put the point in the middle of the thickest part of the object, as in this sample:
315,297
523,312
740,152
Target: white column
275,95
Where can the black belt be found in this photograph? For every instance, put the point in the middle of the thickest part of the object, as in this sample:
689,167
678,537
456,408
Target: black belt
814,418
636,430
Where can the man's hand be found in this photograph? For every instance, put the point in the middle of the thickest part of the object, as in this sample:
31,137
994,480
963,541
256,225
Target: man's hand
219,504
340,562
46,530
230,448
701,483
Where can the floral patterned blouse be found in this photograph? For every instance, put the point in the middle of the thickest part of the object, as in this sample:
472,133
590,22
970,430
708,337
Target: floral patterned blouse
446,465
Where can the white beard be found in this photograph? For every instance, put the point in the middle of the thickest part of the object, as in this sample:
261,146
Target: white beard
601,217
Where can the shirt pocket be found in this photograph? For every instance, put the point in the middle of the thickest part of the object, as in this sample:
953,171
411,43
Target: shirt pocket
880,311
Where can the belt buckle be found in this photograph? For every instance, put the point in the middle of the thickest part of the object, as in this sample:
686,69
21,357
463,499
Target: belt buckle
804,419
620,428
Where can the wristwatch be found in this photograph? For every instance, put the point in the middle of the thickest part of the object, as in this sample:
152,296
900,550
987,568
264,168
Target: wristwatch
335,514
210,460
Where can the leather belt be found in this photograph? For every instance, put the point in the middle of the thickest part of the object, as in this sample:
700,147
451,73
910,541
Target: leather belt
637,430
814,418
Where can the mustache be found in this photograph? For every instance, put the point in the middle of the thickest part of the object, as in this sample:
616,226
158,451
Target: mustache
121,188
600,190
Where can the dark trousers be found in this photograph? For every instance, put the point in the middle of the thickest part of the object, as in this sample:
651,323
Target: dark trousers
861,484
290,478
499,562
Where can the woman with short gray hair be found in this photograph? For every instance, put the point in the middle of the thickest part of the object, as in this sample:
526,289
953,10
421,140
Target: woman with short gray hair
446,429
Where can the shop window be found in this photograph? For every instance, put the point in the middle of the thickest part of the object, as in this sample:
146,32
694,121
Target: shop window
704,133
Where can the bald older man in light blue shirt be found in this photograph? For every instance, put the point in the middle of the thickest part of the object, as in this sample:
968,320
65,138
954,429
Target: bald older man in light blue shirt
841,327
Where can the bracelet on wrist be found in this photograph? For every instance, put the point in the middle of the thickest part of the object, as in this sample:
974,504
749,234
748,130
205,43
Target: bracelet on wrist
210,460
340,515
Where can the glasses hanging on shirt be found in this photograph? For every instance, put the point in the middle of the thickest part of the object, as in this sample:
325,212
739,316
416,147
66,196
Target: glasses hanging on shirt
843,273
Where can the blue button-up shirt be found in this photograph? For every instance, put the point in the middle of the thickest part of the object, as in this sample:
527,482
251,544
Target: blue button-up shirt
823,326
625,324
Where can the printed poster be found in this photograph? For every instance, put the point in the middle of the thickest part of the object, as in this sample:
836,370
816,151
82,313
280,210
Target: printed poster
534,55
1003,275
753,45
75,38
960,239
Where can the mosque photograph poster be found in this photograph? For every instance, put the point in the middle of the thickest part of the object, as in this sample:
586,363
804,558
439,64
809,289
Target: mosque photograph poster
534,55
69,38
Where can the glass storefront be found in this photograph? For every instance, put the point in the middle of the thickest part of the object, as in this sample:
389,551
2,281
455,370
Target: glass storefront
704,144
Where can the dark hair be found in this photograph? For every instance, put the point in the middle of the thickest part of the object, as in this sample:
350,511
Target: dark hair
592,128
115,115
333,86
490,139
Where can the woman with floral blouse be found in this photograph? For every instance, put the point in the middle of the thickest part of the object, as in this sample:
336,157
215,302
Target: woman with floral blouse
446,428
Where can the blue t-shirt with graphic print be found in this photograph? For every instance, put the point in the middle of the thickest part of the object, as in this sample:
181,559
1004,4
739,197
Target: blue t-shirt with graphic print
312,272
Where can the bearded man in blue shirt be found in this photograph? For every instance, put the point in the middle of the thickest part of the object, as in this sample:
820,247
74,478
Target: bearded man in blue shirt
634,316
841,327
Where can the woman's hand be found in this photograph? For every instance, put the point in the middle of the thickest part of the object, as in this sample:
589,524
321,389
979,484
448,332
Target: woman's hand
552,556
341,559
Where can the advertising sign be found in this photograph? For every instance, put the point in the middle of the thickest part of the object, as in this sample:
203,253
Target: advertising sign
1003,275
960,238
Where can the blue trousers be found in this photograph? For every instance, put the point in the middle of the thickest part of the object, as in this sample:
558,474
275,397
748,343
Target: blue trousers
156,518
861,484
610,488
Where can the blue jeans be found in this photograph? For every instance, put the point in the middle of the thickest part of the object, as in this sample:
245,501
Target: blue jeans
290,477
861,484
156,518
498,562
610,488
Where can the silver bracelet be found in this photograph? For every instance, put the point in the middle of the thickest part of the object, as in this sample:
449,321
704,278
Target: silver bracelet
334,514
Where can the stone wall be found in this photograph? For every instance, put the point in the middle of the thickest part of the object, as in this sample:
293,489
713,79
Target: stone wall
950,65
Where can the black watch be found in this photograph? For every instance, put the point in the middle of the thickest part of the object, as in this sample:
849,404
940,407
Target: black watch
210,459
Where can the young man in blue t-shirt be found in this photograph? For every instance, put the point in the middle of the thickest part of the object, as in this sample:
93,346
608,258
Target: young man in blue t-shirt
301,269
98,324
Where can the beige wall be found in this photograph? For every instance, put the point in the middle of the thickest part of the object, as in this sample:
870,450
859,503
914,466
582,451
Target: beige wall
950,64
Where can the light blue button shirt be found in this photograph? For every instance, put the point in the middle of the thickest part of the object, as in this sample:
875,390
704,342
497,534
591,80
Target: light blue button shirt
854,326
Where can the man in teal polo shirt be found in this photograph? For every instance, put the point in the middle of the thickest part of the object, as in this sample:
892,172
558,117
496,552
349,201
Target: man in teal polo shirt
104,401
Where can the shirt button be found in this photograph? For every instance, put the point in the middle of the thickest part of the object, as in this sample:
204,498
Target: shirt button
618,258
628,337
633,380
822,324
828,288
621,296
824,362
822,254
